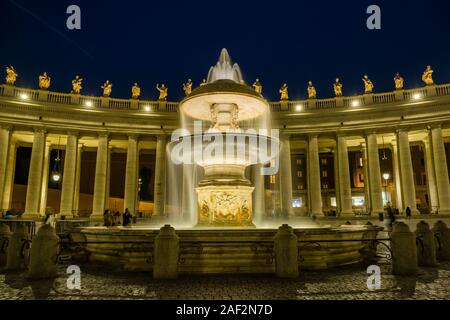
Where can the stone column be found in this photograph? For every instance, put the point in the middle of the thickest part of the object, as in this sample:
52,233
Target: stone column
431,175
345,189
406,171
108,177
286,176
396,176
131,175
315,205
76,195
35,175
9,176
440,168
367,201
259,203
70,167
160,176
373,160
5,138
101,169
45,174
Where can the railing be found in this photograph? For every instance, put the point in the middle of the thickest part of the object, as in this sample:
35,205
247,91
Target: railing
384,97
119,104
277,106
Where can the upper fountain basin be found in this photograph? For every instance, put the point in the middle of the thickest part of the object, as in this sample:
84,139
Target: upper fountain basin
198,104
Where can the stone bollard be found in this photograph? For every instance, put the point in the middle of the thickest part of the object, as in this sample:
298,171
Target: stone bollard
443,232
426,245
286,253
166,253
5,236
404,250
44,251
18,249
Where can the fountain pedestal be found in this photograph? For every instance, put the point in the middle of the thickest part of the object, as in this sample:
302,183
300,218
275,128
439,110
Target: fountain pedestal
222,205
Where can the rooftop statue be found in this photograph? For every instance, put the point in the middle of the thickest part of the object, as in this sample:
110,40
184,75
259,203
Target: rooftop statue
107,88
162,92
203,83
11,75
258,86
135,91
187,87
427,76
224,69
399,81
284,95
76,85
312,93
368,85
337,86
44,81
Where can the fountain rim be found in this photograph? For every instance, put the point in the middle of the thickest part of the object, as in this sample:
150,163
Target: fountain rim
172,143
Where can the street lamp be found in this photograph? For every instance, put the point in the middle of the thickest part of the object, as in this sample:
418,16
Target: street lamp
386,177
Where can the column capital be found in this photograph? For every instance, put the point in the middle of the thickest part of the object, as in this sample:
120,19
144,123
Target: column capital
313,135
40,130
434,126
73,133
8,127
133,136
103,134
369,132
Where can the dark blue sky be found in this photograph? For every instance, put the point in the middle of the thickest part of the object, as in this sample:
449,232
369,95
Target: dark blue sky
279,41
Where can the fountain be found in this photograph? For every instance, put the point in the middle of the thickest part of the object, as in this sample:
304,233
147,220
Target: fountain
217,210
235,117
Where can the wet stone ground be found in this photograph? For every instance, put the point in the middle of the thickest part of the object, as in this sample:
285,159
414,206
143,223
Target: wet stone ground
339,283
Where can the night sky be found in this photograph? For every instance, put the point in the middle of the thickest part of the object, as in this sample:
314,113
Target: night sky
152,42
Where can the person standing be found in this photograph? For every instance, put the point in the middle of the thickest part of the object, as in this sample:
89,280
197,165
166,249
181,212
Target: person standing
408,212
107,218
127,217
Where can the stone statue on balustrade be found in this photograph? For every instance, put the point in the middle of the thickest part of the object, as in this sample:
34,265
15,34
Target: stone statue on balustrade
284,95
399,81
257,86
162,92
204,83
427,76
135,91
107,88
337,86
368,84
44,81
11,75
187,87
76,85
312,93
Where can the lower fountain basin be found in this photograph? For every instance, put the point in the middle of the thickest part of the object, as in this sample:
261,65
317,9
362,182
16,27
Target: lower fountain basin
225,251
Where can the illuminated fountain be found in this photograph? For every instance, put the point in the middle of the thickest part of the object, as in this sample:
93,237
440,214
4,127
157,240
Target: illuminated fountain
231,123
225,137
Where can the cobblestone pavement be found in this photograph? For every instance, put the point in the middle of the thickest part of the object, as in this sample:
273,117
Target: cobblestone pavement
340,283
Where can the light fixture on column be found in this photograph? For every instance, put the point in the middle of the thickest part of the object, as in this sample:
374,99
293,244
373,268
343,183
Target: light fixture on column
56,172
386,177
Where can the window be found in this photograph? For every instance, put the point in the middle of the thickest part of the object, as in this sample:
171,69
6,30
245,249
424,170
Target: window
361,162
273,179
300,187
300,174
361,177
323,161
324,174
299,162
325,185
